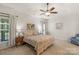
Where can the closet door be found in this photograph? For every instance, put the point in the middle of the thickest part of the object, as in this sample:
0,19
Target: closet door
4,31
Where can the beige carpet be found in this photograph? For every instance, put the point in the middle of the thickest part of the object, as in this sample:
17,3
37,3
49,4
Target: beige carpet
60,47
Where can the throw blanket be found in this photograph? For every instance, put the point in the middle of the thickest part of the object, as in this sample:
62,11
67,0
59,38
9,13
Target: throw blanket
39,42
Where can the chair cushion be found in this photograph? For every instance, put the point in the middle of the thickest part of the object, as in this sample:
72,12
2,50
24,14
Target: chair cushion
77,35
77,38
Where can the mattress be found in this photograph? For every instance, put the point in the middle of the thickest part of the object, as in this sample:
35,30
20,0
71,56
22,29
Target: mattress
39,42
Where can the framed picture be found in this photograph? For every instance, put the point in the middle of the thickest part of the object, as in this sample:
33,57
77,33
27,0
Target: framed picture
30,26
59,25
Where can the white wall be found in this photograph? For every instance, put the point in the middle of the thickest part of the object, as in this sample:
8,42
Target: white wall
68,29
68,15
23,21
12,13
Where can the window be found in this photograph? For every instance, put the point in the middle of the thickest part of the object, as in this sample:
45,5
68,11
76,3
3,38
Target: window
4,28
44,27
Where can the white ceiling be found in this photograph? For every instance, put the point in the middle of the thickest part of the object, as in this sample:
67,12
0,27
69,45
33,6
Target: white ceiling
33,9
25,7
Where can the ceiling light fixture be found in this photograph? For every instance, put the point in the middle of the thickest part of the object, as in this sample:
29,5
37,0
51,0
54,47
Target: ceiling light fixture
47,13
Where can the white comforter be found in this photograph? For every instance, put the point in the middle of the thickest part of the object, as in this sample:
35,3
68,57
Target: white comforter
39,42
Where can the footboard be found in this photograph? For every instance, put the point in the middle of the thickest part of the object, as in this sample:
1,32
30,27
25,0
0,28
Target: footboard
39,42
43,45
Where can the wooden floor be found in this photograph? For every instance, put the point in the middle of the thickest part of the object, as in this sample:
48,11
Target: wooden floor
60,47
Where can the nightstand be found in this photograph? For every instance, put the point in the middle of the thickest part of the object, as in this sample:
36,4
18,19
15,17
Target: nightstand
19,40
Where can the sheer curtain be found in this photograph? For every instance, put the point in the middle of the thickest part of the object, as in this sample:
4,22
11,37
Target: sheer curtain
13,29
44,25
7,30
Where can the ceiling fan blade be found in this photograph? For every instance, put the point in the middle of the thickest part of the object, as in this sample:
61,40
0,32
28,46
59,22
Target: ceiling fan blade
54,12
52,8
42,10
42,13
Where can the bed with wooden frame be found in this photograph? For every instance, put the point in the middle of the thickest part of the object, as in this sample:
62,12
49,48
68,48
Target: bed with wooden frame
39,42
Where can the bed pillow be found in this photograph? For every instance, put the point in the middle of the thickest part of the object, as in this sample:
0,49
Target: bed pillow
29,33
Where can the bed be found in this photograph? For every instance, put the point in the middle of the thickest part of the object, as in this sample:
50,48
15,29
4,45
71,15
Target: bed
39,42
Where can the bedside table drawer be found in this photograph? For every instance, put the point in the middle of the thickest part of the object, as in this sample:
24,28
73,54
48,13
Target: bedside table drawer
19,40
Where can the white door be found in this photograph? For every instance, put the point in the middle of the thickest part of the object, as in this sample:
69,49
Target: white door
4,31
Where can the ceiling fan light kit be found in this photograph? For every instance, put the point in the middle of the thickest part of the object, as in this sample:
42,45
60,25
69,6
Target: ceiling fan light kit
48,11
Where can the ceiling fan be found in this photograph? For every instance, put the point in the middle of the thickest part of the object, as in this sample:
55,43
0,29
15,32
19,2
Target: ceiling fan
48,11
